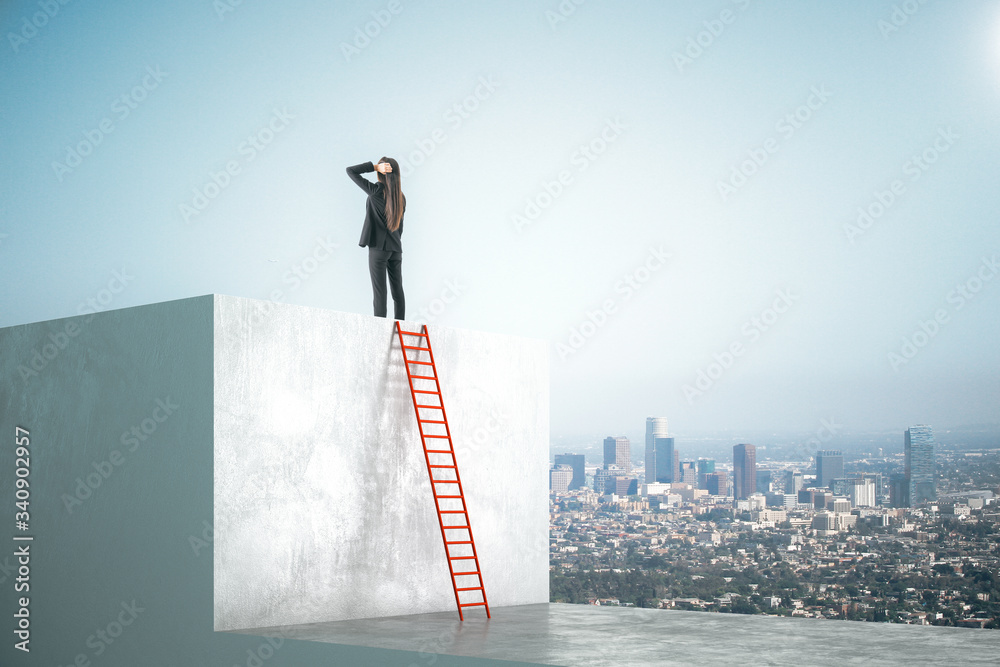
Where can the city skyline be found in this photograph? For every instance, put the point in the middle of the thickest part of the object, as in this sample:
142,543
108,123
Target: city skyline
916,484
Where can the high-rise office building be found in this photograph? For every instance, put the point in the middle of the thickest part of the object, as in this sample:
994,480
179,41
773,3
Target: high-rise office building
793,481
705,468
862,492
656,427
744,471
666,461
829,466
617,452
689,473
626,486
605,479
559,478
876,479
899,491
579,465
918,453
717,483
765,480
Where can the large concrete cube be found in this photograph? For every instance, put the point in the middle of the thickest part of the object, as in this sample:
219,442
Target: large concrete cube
221,463
323,505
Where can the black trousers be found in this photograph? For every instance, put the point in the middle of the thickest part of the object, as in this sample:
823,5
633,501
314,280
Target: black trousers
380,263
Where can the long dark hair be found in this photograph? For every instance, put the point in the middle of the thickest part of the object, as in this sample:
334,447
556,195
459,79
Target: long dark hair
395,202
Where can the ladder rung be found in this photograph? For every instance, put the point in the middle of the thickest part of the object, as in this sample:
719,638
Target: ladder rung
422,363
459,542
424,391
444,467
432,421
455,527
424,377
432,407
471,604
445,481
473,588
449,497
412,333
438,451
431,435
412,347
461,558
453,512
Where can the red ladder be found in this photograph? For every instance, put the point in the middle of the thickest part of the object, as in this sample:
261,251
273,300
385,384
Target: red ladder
444,455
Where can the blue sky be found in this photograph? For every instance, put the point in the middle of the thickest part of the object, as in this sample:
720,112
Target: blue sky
716,154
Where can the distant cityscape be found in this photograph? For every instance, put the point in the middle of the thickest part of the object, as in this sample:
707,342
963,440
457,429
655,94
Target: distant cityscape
882,538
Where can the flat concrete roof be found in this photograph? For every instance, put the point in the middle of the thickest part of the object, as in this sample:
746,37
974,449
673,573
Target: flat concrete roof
580,635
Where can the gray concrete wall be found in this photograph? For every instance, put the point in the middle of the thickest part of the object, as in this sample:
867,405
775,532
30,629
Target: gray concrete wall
121,569
323,508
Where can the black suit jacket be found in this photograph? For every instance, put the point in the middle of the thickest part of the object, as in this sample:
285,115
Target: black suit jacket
375,233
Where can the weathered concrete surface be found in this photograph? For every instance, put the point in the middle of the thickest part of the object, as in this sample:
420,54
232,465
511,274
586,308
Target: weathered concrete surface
323,507
589,636
121,413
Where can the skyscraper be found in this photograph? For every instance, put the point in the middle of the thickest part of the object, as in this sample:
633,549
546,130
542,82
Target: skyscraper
656,427
616,452
578,463
559,478
705,468
666,460
717,483
765,479
918,451
744,471
862,492
689,474
829,466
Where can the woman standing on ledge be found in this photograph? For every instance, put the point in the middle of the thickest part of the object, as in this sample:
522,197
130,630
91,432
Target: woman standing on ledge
382,231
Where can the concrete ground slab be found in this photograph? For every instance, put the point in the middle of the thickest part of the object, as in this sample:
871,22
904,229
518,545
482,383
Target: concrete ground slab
585,635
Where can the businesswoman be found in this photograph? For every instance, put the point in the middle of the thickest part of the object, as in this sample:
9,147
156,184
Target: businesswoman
382,231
